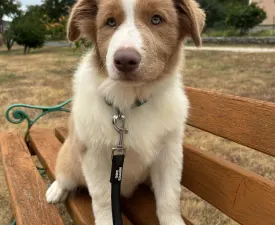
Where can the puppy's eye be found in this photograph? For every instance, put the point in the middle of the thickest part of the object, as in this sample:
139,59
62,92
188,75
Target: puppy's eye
156,20
111,22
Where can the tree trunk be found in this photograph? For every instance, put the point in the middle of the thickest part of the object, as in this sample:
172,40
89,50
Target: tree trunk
1,24
25,49
29,50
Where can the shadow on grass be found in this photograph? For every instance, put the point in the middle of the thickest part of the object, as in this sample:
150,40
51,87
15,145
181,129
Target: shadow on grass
19,50
9,77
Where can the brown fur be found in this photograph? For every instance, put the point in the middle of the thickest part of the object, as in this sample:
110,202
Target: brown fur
69,157
162,42
107,9
192,19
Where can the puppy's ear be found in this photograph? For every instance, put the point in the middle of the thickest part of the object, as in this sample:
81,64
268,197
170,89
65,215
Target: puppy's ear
82,19
191,18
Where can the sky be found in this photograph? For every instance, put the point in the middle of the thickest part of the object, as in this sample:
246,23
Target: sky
25,3
30,2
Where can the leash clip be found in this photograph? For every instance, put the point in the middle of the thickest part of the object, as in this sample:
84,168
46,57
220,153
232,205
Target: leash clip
119,125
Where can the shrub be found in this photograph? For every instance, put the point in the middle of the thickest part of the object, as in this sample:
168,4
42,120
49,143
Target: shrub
245,18
29,31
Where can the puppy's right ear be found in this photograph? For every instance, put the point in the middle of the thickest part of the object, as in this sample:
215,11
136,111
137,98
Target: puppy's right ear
82,19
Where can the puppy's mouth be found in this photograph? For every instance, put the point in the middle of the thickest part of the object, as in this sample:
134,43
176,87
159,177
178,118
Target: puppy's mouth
126,76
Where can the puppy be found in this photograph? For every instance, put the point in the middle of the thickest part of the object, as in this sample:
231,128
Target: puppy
137,55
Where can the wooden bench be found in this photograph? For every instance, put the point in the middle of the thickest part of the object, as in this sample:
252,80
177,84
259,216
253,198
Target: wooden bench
243,195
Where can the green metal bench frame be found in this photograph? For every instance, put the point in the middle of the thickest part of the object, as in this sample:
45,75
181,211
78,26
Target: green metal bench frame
17,116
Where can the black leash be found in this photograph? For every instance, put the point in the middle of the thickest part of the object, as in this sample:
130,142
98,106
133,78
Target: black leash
118,156
116,176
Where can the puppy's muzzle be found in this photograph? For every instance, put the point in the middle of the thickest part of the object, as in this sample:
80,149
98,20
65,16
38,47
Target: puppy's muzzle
127,60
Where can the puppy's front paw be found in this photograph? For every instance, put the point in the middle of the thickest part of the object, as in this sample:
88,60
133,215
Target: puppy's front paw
56,194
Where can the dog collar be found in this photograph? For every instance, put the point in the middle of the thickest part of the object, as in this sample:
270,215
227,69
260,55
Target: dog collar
136,104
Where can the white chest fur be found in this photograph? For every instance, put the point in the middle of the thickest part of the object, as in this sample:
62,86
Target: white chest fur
148,125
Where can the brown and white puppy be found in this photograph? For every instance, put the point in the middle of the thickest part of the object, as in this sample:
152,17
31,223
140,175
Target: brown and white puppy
137,54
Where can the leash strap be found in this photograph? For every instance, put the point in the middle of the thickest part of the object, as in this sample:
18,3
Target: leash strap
116,177
118,156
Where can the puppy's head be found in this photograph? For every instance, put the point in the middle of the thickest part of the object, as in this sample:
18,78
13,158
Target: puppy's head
136,40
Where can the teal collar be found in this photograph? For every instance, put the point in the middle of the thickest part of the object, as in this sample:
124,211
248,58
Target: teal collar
136,104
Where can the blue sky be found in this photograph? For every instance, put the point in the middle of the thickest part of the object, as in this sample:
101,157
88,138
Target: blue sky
25,3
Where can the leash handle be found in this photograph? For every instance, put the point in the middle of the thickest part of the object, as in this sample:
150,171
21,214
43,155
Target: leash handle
116,177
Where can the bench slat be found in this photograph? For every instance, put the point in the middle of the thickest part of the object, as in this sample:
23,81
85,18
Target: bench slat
140,208
243,195
245,121
46,146
26,186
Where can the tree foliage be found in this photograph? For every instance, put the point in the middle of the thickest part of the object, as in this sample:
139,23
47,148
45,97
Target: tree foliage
29,29
9,7
245,18
218,10
56,9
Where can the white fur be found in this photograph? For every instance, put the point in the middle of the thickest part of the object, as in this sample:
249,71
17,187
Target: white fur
56,194
127,36
153,144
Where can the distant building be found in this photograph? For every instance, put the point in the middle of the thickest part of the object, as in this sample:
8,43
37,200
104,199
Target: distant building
269,7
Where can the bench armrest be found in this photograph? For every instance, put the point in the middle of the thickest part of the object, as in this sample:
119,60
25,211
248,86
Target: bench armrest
17,116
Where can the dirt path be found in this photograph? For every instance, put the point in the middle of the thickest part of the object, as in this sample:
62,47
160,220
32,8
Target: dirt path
233,49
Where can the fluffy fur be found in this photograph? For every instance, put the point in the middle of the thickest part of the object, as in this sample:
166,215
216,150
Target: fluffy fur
154,142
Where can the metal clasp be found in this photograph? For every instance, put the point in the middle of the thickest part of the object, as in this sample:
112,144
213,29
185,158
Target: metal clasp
119,125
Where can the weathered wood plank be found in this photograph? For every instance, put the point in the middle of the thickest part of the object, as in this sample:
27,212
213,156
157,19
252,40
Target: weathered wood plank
141,207
243,195
46,146
26,187
245,121
61,133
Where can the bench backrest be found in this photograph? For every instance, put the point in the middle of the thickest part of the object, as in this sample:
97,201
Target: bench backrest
243,195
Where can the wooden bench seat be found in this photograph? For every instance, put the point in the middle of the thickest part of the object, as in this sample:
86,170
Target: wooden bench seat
26,186
243,195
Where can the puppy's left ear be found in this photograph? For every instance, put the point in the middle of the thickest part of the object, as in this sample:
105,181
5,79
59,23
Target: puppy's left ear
191,19
82,20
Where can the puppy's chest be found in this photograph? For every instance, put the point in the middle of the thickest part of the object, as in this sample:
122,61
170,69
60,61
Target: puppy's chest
146,131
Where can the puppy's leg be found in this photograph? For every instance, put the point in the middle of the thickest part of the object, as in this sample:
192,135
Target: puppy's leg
166,177
97,173
68,170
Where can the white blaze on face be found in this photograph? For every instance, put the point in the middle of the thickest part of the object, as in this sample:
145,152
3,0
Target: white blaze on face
126,36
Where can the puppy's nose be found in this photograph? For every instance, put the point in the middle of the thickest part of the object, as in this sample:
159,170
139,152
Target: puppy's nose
127,60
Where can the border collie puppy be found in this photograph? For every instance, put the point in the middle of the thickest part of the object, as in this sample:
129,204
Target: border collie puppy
135,66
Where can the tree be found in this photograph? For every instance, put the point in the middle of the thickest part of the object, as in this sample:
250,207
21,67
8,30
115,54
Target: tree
55,9
8,8
29,29
8,38
218,10
245,18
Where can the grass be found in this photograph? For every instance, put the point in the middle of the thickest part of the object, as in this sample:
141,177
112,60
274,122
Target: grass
44,77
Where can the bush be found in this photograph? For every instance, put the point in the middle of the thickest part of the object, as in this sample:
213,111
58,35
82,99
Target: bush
29,31
83,44
57,30
245,18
